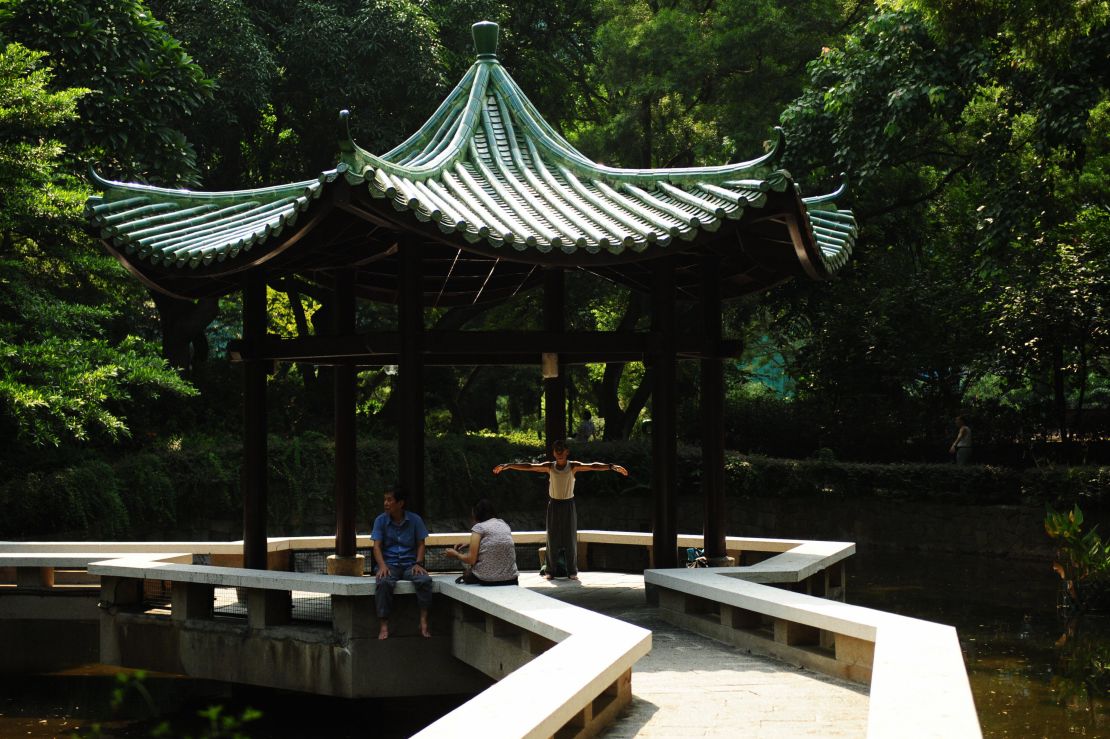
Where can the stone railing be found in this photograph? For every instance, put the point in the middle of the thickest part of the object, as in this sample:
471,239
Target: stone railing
516,637
918,682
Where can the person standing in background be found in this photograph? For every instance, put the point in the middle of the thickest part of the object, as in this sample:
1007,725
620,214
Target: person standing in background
961,447
562,518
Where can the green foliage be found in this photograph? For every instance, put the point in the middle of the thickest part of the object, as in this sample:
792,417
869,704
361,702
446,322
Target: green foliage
1082,557
175,489
1083,672
216,723
143,86
283,71
71,388
684,83
30,196
233,49
68,368
83,501
976,147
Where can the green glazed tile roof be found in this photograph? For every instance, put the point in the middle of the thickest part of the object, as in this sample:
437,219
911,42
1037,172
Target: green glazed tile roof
491,175
181,228
834,230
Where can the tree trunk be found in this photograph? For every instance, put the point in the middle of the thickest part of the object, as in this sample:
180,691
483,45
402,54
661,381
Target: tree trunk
307,370
1060,399
184,322
617,423
647,143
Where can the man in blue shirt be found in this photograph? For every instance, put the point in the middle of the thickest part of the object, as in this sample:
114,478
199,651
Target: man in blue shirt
399,552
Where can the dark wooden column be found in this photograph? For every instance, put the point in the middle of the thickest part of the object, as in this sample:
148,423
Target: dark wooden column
713,416
554,388
345,435
253,481
410,323
663,444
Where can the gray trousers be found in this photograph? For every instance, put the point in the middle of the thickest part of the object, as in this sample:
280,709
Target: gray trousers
383,593
562,538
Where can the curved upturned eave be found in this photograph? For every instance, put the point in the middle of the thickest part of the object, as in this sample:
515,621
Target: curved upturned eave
833,230
183,234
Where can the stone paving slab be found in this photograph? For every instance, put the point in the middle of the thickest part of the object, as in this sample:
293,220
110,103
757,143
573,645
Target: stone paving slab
692,686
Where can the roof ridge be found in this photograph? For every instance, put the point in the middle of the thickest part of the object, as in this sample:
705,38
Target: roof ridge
443,138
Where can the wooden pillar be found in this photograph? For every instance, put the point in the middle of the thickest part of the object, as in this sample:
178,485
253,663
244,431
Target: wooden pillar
713,416
253,480
345,435
663,441
554,388
410,323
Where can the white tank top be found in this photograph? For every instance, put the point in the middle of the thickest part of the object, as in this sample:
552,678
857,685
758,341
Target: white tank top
561,486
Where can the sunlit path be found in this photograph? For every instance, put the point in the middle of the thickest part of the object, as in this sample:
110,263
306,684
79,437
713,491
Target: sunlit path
691,686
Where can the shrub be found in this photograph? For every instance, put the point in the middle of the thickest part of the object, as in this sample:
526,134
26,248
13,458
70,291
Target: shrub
81,501
192,481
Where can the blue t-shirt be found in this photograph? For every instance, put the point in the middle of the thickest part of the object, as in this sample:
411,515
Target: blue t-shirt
398,540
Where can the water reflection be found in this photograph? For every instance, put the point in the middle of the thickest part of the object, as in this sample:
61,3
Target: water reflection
1026,681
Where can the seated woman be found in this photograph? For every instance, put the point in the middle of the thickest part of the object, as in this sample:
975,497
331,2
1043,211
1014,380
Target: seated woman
491,555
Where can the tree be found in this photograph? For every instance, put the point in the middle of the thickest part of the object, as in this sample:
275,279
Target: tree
142,85
966,134
68,369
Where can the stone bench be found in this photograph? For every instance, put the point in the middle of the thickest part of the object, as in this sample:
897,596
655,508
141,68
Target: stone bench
37,570
735,546
267,594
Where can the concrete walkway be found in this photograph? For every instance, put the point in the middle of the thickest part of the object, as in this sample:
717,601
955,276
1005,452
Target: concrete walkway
691,686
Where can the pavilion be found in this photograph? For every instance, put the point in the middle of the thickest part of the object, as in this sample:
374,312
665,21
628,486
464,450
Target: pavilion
485,200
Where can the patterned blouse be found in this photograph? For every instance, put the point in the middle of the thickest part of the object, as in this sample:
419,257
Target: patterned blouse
496,551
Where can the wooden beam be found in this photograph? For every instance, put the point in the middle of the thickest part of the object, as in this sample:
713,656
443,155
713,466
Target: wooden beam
410,323
663,419
345,400
554,323
253,480
713,417
492,344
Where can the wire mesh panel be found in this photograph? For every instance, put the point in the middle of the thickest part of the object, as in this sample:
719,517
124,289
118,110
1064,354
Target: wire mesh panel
157,595
311,607
527,557
311,560
230,603
435,559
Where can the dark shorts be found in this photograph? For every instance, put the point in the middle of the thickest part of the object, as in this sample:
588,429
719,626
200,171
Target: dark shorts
471,579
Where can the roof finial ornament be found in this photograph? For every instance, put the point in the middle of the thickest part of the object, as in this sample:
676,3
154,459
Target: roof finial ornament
346,142
485,39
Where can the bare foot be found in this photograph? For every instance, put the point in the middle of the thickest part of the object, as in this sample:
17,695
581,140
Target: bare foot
548,577
424,631
572,577
383,632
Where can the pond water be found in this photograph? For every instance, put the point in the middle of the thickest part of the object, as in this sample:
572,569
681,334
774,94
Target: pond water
72,704
1025,684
